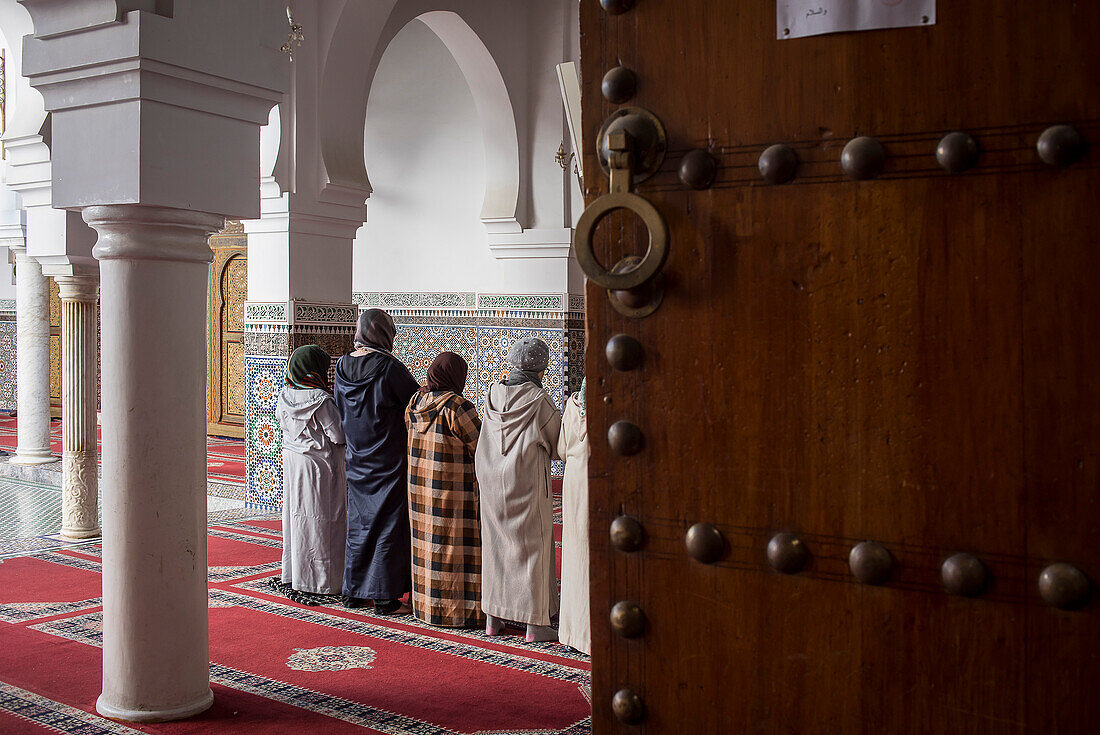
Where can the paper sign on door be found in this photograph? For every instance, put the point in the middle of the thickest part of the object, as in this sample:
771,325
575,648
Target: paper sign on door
800,18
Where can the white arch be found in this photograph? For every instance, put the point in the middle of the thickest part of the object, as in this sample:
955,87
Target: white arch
494,108
362,32
25,111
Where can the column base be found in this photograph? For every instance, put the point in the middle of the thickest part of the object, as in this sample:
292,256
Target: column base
32,457
80,534
159,715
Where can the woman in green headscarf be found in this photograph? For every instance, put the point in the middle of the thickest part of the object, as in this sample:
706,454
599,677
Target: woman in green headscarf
314,486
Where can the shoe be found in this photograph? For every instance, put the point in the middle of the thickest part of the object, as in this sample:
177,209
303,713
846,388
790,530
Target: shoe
541,634
389,607
493,625
352,602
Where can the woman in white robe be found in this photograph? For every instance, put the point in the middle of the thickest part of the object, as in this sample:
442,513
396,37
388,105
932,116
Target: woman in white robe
519,437
574,627
314,486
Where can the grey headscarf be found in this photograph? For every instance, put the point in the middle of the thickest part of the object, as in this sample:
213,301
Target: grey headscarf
375,331
528,356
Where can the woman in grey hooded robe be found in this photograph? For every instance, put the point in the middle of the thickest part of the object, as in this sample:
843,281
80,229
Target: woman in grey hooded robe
519,438
314,489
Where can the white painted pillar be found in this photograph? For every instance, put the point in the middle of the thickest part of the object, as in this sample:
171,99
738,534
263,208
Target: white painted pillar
79,478
32,330
153,265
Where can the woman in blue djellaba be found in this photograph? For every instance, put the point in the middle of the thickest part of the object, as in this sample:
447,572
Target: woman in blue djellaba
372,390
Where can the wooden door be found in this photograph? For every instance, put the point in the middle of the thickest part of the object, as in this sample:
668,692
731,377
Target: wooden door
228,291
909,360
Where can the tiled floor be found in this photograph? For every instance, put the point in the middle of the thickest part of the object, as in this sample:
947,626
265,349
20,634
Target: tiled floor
30,515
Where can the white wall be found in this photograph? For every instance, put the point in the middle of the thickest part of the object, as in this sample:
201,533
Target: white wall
426,159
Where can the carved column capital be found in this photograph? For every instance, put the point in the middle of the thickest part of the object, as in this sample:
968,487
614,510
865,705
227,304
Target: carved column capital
139,232
83,287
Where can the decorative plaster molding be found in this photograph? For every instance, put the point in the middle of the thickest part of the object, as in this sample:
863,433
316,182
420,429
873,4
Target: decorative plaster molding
541,243
267,312
7,304
409,300
524,302
475,304
324,314
300,313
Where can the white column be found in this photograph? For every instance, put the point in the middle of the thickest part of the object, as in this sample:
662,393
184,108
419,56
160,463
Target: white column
153,265
79,478
32,330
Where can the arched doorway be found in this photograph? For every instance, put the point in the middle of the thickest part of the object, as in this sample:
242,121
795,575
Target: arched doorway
227,290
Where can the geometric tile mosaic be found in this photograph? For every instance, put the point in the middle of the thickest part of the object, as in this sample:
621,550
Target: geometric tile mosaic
263,448
7,365
417,345
492,363
482,341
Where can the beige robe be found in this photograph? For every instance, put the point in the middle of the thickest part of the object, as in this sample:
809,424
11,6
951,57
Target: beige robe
519,437
575,626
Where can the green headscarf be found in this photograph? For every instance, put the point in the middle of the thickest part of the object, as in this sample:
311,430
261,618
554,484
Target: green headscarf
308,368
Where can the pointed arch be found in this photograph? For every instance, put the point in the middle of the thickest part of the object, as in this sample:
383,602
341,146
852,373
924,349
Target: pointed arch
494,108
351,61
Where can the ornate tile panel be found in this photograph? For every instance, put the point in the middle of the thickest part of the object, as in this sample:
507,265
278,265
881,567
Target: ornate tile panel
493,344
471,301
525,302
7,365
336,341
432,300
263,440
427,324
266,342
266,311
574,359
325,314
418,345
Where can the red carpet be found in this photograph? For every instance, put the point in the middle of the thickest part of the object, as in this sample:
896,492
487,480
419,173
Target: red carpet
224,457
276,666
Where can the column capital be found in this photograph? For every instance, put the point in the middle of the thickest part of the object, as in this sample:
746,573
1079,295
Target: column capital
140,232
141,100
83,287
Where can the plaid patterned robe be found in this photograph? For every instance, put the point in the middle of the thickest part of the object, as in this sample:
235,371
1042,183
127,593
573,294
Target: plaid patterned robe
443,509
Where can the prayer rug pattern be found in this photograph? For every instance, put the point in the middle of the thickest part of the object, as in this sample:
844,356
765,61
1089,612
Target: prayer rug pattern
224,456
278,666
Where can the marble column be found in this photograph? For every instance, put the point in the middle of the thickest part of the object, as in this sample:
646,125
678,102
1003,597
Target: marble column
79,473
153,266
32,336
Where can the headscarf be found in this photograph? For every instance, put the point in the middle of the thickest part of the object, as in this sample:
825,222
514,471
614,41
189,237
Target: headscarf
308,368
375,331
582,396
447,372
528,356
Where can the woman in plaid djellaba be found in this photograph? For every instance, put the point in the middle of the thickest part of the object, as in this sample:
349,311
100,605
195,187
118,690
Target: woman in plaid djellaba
443,500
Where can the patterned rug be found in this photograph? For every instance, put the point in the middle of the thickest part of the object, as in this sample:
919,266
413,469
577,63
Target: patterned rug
277,666
224,456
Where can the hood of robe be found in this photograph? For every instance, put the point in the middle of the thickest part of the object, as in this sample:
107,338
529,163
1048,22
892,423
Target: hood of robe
356,375
510,410
298,406
425,408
